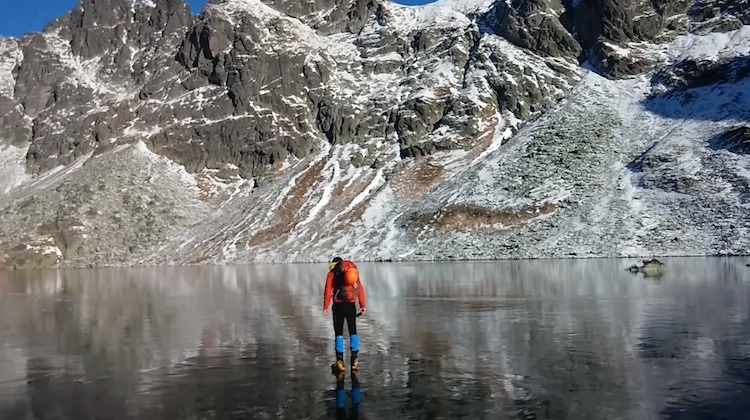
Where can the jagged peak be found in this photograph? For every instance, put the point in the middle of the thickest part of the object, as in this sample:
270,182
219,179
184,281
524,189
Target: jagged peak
463,6
95,13
233,11
5,41
236,8
8,42
442,13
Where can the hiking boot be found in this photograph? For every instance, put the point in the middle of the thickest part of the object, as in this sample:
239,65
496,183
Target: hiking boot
355,363
338,366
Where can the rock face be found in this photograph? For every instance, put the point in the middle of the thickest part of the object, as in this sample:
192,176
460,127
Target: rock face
696,73
535,25
719,15
735,140
284,114
87,67
16,127
331,16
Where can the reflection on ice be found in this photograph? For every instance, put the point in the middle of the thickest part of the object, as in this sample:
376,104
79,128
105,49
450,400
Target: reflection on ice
562,339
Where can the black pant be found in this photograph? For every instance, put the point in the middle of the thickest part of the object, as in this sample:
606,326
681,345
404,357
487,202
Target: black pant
348,311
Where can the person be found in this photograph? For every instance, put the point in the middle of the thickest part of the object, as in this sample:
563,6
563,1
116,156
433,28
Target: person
344,287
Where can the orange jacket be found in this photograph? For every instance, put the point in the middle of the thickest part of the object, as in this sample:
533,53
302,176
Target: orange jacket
353,293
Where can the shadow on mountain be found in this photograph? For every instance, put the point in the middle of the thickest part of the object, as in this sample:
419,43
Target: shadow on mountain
702,90
735,140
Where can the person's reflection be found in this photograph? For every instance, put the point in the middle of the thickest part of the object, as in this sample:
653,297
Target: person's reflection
341,397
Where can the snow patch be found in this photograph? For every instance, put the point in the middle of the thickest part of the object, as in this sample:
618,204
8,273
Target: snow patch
12,167
502,133
85,72
714,46
10,55
146,3
442,13
619,51
34,184
284,27
176,169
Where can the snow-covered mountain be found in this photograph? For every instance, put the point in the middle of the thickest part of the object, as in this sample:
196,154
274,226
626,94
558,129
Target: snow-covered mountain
135,132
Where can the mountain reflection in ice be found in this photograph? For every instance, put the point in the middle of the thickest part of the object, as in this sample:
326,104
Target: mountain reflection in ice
521,339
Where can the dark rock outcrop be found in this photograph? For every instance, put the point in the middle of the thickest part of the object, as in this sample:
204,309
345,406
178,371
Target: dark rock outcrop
696,73
15,125
85,63
331,16
719,15
602,23
649,268
534,25
735,140
269,88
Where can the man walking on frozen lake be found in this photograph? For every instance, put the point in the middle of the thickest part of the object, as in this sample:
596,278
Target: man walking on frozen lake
344,287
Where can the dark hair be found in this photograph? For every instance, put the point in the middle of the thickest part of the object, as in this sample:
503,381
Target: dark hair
337,260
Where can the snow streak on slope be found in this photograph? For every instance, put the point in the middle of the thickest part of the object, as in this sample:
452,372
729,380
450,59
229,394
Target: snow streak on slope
580,158
410,134
565,185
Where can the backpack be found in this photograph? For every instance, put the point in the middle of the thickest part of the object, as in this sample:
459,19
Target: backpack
345,274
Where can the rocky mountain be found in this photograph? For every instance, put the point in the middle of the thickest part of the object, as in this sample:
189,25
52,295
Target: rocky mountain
136,132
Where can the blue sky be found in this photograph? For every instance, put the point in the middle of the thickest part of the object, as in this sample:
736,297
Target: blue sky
21,16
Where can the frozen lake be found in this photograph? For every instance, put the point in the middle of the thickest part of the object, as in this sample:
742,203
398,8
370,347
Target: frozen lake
549,339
